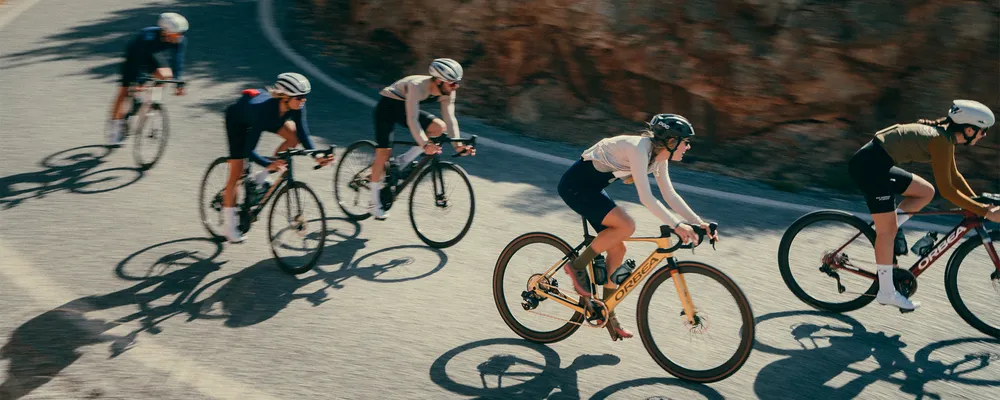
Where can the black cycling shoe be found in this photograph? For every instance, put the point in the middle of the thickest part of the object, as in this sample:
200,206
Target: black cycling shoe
900,244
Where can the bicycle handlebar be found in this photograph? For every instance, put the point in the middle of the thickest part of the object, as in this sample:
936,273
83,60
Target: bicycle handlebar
288,154
470,141
666,231
988,198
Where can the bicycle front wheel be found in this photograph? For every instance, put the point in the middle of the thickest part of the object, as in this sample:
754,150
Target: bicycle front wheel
352,179
722,312
807,246
151,137
297,228
442,205
975,295
523,262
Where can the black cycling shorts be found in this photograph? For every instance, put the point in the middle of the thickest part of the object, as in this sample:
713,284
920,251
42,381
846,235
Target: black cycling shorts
582,189
236,135
873,172
388,113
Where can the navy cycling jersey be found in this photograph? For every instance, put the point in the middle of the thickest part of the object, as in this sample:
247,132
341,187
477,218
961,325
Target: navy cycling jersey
147,48
261,113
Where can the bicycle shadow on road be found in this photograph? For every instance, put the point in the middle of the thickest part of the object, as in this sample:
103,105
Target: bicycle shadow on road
42,347
74,170
521,369
257,293
821,356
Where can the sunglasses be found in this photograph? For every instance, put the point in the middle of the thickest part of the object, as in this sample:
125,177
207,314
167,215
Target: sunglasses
298,97
455,83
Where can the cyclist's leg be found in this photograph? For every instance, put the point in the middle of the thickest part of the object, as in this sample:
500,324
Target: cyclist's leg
917,194
116,124
616,254
236,135
385,120
582,189
432,126
880,181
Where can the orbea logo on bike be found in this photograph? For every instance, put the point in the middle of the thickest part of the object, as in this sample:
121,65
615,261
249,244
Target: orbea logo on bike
633,280
926,261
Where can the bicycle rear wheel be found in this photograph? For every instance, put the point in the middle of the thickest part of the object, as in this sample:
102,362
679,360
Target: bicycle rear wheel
526,257
446,202
804,266
301,220
210,198
151,137
710,303
978,287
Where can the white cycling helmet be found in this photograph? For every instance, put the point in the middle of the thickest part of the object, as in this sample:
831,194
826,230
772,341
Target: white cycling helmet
173,23
293,84
971,112
446,69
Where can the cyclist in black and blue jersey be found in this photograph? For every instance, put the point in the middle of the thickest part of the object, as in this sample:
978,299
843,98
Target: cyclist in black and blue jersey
280,108
157,51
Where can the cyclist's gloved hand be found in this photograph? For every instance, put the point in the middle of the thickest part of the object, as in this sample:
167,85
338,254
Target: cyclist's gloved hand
686,232
994,214
431,149
706,226
276,165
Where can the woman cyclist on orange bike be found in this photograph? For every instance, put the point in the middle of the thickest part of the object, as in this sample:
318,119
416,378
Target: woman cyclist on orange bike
874,168
630,158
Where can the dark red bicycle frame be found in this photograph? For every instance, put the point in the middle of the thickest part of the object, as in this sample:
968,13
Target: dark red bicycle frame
971,222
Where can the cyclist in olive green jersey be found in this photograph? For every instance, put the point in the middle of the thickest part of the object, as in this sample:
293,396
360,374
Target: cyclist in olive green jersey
874,169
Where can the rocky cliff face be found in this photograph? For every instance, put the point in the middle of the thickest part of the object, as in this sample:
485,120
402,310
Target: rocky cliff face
780,90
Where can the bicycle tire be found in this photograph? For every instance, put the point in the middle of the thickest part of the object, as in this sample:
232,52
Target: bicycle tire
165,134
342,197
287,267
726,369
785,268
441,166
500,298
203,201
951,285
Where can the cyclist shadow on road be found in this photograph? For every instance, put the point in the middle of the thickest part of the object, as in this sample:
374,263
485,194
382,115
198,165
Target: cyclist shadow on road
821,358
73,170
259,292
532,371
48,343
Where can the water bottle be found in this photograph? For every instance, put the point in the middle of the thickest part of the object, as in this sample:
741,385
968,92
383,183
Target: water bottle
623,272
923,246
600,270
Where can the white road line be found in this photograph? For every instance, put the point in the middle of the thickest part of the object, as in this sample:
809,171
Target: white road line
265,16
167,364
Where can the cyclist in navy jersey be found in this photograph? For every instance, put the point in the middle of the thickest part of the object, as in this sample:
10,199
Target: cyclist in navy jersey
157,51
280,108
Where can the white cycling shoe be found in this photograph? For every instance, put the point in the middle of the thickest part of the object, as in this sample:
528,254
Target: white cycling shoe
233,234
896,299
376,210
115,132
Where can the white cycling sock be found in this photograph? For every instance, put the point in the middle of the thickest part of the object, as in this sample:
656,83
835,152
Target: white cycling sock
901,218
376,189
885,279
